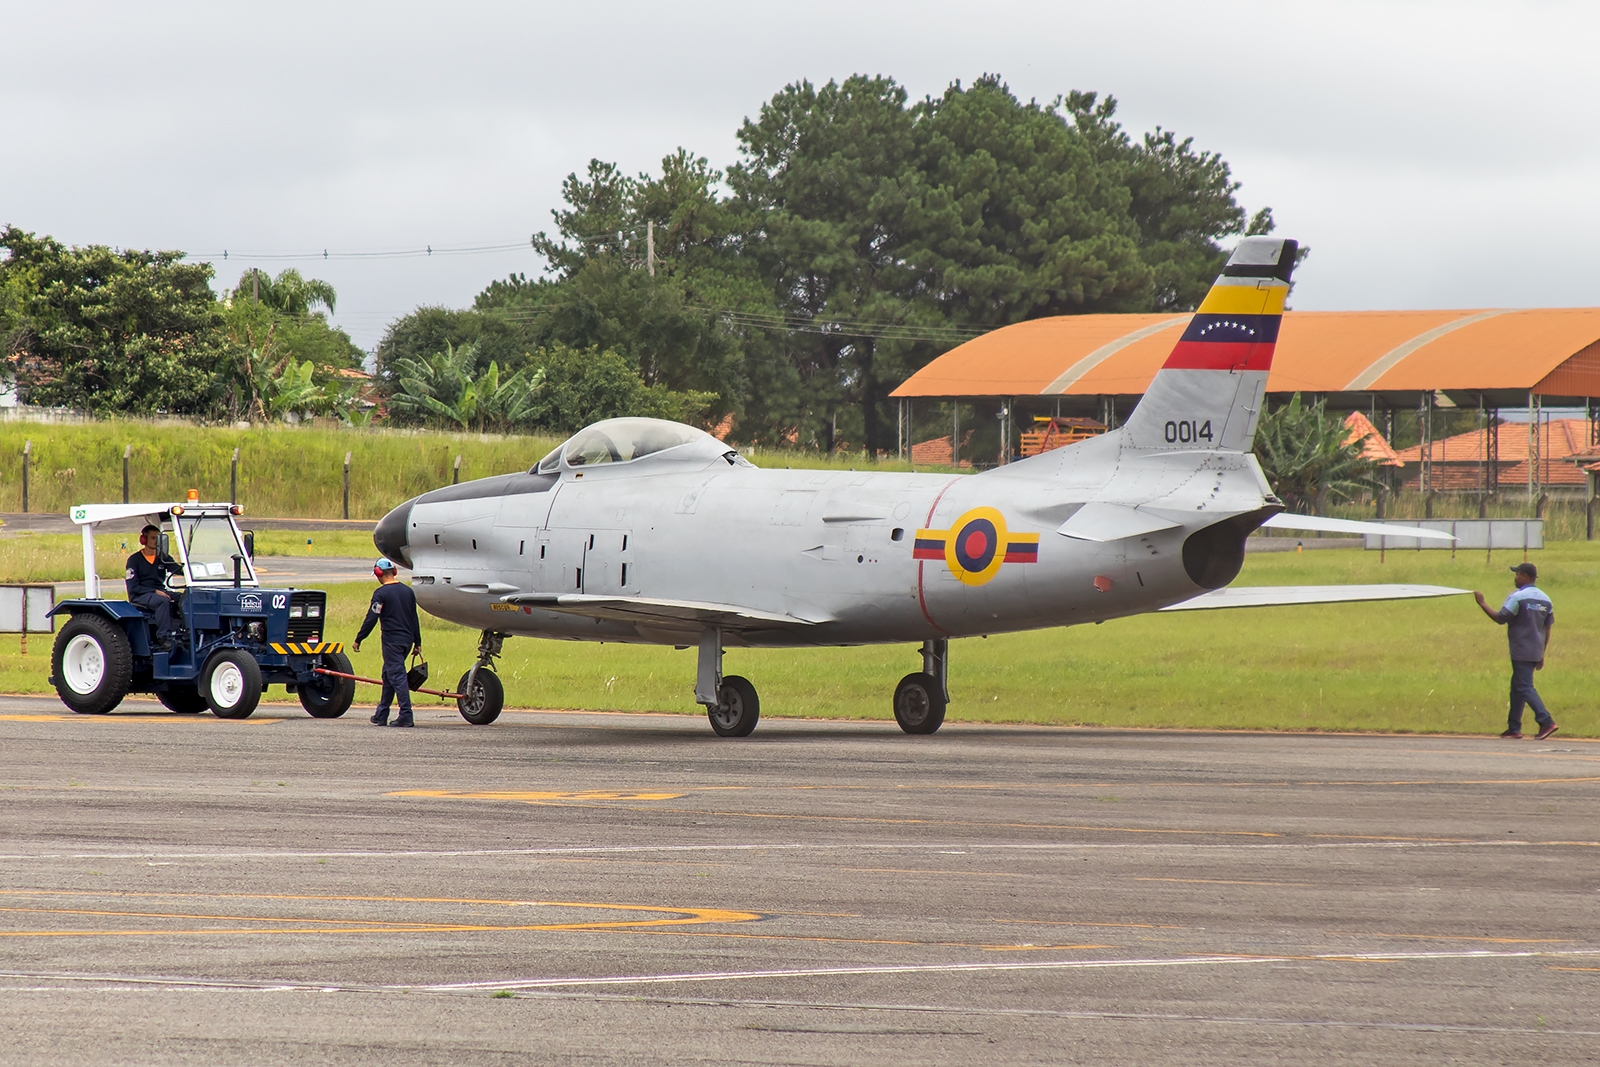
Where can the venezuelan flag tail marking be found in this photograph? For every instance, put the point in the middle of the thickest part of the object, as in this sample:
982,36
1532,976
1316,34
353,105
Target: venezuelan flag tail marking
1208,394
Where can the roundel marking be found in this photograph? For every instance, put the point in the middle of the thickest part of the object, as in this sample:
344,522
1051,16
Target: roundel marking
974,549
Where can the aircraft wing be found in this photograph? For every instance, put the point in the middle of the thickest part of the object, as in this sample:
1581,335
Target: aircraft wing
1285,521
1263,596
672,614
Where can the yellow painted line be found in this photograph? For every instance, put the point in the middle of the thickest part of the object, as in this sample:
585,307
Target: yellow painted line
37,718
1554,967
1224,881
668,917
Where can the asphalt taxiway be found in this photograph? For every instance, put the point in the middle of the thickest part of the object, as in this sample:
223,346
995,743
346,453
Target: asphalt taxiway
594,888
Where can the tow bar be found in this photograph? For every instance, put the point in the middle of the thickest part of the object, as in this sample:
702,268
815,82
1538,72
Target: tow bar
379,681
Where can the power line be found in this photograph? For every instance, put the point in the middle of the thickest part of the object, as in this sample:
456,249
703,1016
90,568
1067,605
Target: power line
426,251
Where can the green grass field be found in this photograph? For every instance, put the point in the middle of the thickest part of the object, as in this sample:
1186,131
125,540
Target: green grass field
1417,666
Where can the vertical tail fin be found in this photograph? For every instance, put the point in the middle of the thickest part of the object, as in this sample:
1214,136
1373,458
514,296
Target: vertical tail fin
1208,395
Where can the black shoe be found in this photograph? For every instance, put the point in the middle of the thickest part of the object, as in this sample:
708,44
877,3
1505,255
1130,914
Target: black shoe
1546,731
162,646
1512,734
404,720
379,720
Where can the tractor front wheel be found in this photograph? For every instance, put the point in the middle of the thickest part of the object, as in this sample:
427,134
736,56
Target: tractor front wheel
231,684
327,697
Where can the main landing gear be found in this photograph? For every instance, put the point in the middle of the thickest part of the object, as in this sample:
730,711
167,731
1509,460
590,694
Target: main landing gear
920,698
482,695
731,703
734,708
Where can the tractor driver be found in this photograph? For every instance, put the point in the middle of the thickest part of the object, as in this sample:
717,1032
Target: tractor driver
147,584
395,606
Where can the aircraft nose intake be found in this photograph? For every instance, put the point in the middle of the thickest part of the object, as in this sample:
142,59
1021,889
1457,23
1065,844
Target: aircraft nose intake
391,536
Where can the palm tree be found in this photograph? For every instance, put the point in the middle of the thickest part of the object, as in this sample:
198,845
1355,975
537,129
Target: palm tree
442,387
1304,453
289,292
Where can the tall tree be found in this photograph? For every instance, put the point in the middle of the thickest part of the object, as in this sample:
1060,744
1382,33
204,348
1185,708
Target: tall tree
111,331
825,172
1180,199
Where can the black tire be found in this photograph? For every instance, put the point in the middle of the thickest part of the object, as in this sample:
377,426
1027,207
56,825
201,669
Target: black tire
919,704
91,664
482,705
185,700
231,684
326,697
738,708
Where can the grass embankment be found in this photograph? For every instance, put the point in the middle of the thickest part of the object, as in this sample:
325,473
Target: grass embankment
291,471
1422,666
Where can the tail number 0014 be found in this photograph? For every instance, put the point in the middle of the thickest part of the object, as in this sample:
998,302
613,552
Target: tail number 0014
1187,431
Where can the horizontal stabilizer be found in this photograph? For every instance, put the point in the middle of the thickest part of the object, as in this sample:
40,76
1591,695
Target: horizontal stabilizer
671,614
1111,522
1269,596
1285,521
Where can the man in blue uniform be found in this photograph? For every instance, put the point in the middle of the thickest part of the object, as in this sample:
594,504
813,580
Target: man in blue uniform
147,584
1528,617
395,606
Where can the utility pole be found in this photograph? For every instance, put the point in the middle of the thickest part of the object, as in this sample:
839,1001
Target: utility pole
255,286
650,247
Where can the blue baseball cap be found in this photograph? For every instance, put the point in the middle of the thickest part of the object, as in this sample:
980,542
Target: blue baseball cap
384,563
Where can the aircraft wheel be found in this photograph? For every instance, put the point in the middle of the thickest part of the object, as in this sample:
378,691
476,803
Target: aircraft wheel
738,708
92,664
231,684
326,697
185,700
919,703
481,705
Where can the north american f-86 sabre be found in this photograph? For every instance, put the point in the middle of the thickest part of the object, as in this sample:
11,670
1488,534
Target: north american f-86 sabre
641,530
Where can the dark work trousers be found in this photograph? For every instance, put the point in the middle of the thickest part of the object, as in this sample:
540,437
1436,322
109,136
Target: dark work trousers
160,609
1523,692
394,683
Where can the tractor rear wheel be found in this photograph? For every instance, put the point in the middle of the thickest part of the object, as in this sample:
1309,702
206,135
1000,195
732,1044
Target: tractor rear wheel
91,664
327,697
231,684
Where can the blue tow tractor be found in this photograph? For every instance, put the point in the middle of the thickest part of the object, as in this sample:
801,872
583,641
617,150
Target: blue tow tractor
233,637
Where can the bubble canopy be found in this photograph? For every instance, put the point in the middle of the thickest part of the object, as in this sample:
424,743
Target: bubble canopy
621,441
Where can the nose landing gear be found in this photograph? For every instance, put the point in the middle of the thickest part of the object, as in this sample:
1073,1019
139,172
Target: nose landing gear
482,695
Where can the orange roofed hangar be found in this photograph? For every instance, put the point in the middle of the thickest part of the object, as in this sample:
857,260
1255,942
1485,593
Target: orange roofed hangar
1370,361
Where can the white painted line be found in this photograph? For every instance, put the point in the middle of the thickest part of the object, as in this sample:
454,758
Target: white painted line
984,967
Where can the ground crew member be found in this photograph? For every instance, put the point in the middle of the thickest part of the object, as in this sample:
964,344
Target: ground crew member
147,584
1528,617
395,605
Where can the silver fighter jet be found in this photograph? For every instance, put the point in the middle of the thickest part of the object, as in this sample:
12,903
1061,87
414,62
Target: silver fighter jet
641,530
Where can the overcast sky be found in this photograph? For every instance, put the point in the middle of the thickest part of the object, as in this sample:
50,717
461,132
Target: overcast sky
1431,154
